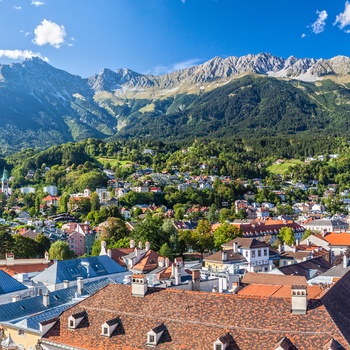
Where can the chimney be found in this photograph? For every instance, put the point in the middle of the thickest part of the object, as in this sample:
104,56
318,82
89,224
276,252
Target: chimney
177,274
138,285
65,284
15,298
297,241
235,247
196,279
46,299
103,248
132,243
109,253
280,248
345,261
299,300
148,246
80,285
160,261
167,262
140,245
47,256
308,242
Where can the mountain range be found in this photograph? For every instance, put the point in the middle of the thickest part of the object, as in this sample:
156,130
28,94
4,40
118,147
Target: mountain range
237,96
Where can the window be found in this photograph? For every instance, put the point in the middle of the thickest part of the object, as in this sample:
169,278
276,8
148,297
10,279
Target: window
253,253
20,332
151,338
105,330
246,254
71,323
265,252
218,347
259,252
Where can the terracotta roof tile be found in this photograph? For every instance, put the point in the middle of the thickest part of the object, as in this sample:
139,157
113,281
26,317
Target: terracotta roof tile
273,279
195,320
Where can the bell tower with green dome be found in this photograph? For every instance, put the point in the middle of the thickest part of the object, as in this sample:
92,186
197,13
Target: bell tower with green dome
4,183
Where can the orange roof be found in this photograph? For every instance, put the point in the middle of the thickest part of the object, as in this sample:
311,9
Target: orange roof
259,290
341,238
148,262
278,291
16,269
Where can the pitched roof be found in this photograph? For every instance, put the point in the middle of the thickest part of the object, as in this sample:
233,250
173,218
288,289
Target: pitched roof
16,269
118,253
8,284
273,279
278,291
148,262
195,320
69,270
339,238
34,306
230,256
245,242
308,268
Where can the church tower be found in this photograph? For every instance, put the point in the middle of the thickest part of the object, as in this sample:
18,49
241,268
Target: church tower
4,183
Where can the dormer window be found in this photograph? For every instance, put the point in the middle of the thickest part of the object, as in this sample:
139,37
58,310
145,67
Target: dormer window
223,342
74,320
153,336
109,326
151,339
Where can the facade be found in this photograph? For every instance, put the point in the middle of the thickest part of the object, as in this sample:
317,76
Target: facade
246,254
326,225
51,190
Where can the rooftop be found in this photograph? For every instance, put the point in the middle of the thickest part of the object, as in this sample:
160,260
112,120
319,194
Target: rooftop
195,320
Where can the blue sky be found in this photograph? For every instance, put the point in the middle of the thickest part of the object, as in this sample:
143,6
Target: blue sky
159,36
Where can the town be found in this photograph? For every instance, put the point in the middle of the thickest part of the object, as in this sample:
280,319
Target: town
189,242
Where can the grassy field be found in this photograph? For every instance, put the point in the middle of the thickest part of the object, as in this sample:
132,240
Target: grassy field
113,161
283,168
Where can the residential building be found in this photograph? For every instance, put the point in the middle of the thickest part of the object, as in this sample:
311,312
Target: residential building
327,225
241,253
89,268
308,268
27,190
27,320
51,190
110,319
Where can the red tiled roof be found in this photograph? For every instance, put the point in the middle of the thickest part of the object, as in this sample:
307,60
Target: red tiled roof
16,269
148,262
273,279
195,320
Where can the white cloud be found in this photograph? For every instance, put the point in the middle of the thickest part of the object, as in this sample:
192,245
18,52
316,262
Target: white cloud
160,70
303,35
344,17
37,3
21,54
318,26
48,32
17,8
24,33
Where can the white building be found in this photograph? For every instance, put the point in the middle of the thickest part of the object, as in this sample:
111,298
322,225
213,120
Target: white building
52,190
